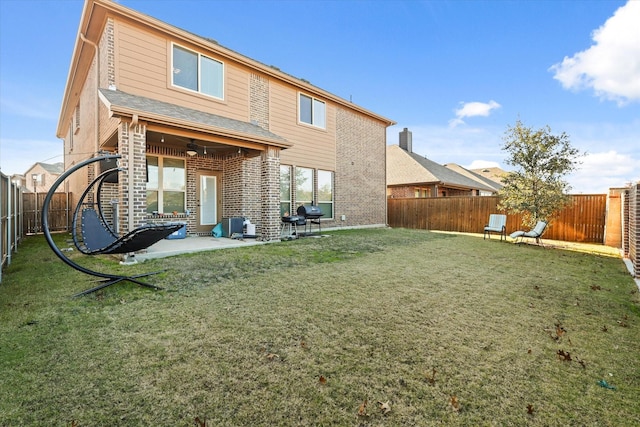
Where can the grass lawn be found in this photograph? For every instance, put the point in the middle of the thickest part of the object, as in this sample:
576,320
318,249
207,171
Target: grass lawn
361,328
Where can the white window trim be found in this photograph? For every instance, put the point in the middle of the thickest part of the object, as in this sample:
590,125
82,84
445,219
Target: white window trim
224,72
313,98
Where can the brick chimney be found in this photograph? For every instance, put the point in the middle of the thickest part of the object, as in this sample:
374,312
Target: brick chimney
405,140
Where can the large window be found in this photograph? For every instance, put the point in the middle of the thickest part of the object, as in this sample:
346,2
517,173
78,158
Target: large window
196,72
304,186
166,185
312,111
325,193
285,191
307,191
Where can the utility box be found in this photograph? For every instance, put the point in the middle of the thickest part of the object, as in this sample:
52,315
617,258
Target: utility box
181,233
231,226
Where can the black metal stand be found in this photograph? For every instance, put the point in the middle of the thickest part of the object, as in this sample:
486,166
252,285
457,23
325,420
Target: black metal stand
116,279
108,279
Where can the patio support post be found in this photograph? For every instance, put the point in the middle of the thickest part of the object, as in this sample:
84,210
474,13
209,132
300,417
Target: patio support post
270,182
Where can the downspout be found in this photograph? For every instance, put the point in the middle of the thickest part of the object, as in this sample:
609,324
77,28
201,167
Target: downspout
96,119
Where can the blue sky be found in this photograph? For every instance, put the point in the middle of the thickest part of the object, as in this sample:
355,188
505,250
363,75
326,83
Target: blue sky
456,73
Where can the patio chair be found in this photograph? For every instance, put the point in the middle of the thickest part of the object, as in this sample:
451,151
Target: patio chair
535,233
497,224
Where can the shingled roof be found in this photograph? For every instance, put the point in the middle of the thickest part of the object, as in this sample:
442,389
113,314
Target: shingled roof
122,103
407,168
470,173
52,168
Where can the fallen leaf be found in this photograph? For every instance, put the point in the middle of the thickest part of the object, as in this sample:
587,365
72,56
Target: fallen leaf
322,380
201,423
530,409
362,410
431,379
385,407
596,288
455,405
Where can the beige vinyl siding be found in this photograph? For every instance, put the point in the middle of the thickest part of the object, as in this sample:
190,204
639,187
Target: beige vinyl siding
143,64
312,147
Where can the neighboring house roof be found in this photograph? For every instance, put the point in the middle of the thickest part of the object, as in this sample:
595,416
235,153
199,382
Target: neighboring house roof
51,168
124,104
474,175
405,168
495,174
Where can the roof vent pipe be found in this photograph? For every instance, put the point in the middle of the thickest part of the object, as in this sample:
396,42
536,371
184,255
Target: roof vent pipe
406,140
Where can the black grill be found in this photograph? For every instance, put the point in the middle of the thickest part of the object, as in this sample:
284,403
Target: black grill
311,213
295,219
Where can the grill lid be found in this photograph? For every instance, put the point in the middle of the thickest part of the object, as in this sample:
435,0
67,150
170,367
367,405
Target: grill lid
309,211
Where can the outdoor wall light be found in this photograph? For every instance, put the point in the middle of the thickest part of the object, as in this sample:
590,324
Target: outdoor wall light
192,149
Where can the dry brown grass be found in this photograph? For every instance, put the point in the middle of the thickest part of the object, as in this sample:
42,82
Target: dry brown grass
447,329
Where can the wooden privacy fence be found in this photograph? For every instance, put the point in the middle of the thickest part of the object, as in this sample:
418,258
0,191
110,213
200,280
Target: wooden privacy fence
583,220
10,219
59,213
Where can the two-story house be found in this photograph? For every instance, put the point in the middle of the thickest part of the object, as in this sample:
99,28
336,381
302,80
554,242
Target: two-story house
39,177
207,133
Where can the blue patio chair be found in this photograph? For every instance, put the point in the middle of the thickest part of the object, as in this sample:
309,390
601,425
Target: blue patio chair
535,233
497,224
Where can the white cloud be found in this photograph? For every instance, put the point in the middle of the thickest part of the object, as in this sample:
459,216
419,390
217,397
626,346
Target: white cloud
601,171
473,109
611,66
481,164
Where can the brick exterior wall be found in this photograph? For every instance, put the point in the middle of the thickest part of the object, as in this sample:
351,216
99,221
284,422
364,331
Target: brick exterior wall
132,183
270,194
409,191
259,100
360,176
250,186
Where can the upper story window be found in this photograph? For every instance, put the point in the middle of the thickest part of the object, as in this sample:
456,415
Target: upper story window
193,71
312,111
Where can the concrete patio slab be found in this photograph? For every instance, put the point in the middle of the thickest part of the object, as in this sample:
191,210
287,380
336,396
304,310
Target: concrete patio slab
170,247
